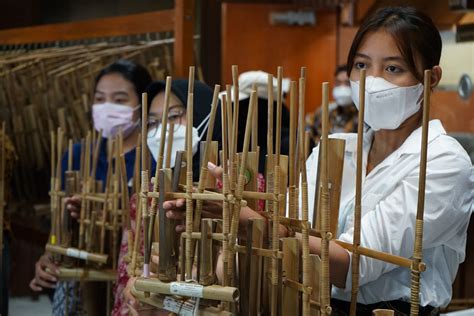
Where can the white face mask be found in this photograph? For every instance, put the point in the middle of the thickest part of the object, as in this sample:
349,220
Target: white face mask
387,105
179,140
342,95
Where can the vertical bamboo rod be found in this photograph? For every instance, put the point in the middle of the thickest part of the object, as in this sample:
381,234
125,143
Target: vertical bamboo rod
235,126
144,187
53,186
270,122
85,189
325,227
69,156
189,188
276,203
225,190
304,194
164,123
358,197
292,198
418,246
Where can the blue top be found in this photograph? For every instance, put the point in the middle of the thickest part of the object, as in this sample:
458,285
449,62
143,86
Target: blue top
102,163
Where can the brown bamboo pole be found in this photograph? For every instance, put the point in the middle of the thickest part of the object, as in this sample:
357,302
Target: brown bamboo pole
189,188
105,205
115,205
306,277
225,189
270,167
207,149
85,190
53,187
241,180
358,197
292,198
167,232
144,188
159,166
325,227
230,123
276,203
57,183
77,253
189,177
418,246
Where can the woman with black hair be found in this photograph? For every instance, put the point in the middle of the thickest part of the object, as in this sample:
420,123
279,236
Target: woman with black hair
117,98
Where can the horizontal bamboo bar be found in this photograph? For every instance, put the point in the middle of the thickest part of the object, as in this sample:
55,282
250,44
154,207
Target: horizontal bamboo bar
211,292
79,274
269,253
386,257
76,253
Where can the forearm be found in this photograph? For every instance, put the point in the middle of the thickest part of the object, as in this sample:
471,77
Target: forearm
339,259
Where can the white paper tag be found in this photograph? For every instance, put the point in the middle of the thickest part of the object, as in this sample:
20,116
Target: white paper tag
186,289
183,308
76,253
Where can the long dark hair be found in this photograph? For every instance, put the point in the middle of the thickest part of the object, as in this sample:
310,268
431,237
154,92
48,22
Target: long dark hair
414,33
133,72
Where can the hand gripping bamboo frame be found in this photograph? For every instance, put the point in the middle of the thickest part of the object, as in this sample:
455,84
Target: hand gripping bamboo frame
309,289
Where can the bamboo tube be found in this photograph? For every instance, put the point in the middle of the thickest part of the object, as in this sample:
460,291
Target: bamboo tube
212,292
254,143
240,185
206,271
144,188
124,187
115,206
204,170
235,124
230,135
291,157
167,233
95,159
77,253
105,205
80,274
159,163
304,195
57,183
358,196
164,123
290,266
418,245
383,312
189,189
85,189
270,167
325,283
225,189
276,204
53,187
69,156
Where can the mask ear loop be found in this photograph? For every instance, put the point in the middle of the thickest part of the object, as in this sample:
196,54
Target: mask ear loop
203,125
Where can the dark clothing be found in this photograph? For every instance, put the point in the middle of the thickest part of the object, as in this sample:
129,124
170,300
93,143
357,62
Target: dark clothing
401,308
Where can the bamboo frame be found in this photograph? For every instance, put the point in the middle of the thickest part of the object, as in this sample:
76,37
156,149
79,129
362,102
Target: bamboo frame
312,285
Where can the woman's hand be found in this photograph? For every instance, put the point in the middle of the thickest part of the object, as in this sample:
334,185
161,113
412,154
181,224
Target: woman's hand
135,307
46,273
73,205
176,209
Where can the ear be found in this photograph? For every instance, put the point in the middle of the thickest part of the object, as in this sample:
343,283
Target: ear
436,74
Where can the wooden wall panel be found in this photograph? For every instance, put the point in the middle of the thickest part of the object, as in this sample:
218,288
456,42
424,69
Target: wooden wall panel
456,114
249,41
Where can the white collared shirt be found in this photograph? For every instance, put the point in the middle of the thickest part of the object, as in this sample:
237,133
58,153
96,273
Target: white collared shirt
389,204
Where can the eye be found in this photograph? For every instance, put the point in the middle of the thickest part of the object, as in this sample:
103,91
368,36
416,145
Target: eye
99,99
394,69
121,100
360,65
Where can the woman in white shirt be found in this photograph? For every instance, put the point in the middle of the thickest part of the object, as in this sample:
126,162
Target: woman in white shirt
395,45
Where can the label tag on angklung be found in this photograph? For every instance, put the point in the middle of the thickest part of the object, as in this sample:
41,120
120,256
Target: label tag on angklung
186,289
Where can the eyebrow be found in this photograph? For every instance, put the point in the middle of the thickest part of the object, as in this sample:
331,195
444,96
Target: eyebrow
395,58
170,108
114,93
